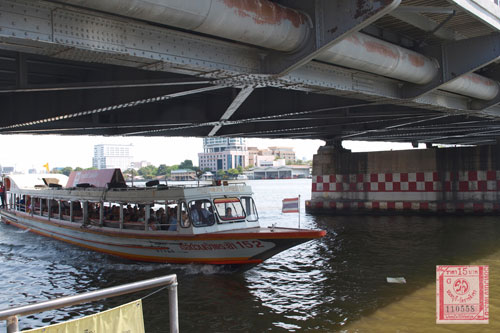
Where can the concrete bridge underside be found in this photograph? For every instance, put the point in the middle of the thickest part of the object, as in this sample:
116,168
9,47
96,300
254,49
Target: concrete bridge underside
257,68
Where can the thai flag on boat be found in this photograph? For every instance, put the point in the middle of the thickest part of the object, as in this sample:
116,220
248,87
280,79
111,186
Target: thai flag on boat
290,205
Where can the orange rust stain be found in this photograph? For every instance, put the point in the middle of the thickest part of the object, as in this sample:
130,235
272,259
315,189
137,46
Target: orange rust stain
265,12
416,60
381,49
479,79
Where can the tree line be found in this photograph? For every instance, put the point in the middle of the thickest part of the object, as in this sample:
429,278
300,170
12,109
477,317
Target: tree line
152,172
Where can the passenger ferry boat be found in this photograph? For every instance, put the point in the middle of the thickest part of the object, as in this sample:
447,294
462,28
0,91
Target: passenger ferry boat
157,223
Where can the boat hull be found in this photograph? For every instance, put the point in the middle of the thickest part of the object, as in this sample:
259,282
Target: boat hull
237,247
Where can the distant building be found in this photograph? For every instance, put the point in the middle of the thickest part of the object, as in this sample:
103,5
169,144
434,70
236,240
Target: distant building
268,156
286,153
7,170
283,172
111,156
183,174
264,160
141,164
223,154
253,152
300,171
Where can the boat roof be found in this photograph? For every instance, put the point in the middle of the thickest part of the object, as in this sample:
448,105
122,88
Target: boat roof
96,178
32,181
141,195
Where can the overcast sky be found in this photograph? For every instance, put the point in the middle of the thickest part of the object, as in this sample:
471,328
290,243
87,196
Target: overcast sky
29,151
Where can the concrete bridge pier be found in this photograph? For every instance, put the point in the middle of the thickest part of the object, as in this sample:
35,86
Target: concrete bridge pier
464,180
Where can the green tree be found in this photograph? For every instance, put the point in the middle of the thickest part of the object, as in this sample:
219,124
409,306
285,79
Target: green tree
78,169
162,170
233,172
240,169
148,172
66,171
129,173
171,168
91,168
187,164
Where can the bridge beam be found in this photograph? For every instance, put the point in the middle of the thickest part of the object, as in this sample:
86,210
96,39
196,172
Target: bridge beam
331,21
475,53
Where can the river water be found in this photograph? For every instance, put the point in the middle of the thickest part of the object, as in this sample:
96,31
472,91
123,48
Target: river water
337,283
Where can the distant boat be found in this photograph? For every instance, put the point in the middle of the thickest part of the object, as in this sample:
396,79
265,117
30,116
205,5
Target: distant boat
96,210
242,177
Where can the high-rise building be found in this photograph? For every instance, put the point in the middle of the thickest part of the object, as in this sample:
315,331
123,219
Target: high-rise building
223,153
110,156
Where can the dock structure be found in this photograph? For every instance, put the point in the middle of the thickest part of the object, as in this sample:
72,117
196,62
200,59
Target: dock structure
370,70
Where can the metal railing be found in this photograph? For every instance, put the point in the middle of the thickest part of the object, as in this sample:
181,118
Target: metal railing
171,280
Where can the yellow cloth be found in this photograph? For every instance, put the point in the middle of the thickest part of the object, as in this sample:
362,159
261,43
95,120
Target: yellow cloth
126,318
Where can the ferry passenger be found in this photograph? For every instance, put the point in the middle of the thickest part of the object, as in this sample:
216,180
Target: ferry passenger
229,212
152,215
201,216
184,218
172,219
22,204
160,216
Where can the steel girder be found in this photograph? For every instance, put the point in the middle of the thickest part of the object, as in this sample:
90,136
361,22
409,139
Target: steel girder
331,21
455,59
62,32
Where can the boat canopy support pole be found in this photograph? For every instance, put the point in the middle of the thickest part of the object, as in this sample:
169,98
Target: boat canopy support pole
71,211
59,209
49,208
85,208
32,208
121,215
101,213
41,206
147,217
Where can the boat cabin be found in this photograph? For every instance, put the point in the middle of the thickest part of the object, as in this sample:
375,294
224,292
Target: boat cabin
97,202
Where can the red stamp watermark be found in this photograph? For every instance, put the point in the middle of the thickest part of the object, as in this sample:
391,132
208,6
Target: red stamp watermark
462,295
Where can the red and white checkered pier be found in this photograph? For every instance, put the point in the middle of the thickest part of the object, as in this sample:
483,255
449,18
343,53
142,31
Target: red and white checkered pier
446,190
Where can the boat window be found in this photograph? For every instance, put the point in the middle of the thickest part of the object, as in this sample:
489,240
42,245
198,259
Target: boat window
250,209
201,213
183,217
229,209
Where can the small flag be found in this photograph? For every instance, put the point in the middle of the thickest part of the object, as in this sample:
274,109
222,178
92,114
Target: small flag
290,205
46,166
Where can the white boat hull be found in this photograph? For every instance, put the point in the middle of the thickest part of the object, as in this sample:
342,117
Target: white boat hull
240,247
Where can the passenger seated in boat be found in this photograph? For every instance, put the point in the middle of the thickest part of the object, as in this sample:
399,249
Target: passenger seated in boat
160,216
229,212
22,204
184,218
172,219
201,216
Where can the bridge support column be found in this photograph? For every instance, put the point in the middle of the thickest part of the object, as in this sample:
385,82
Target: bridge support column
462,180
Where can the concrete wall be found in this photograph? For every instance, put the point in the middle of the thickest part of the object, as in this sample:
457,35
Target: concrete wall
436,180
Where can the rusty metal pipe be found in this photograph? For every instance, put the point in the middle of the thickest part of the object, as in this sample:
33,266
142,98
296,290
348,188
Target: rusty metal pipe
256,22
269,25
366,53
